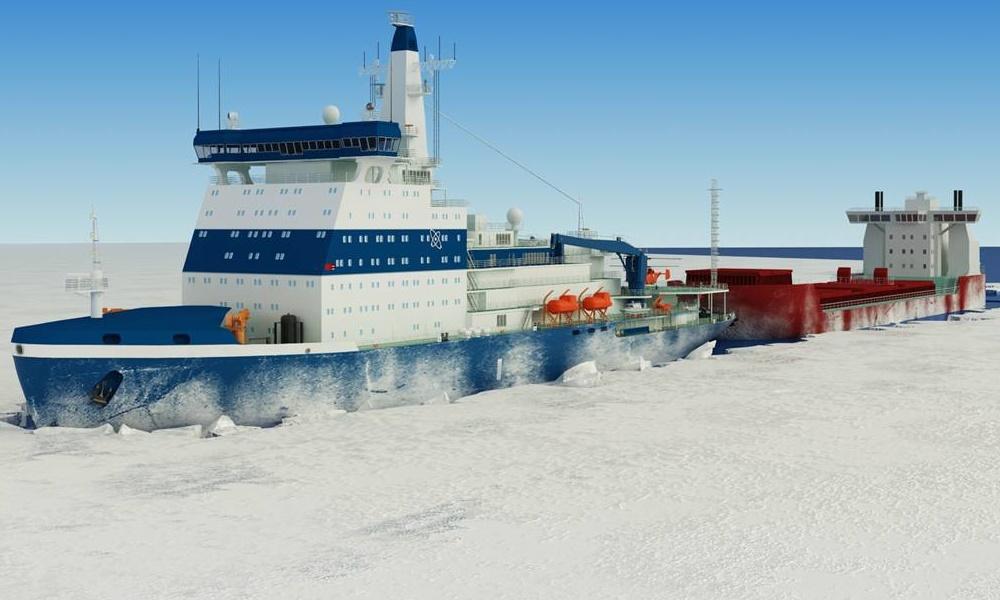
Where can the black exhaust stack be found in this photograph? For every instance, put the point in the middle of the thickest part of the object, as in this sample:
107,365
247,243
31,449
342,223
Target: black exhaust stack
879,203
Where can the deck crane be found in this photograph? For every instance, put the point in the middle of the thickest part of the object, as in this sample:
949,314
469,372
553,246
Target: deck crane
633,260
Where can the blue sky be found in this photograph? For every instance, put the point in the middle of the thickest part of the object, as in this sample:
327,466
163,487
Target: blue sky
799,109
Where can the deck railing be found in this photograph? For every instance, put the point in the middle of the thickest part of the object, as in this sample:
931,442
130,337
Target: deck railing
944,291
529,261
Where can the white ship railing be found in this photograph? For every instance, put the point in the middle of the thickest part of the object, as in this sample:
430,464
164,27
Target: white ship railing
84,282
447,202
233,179
513,282
530,261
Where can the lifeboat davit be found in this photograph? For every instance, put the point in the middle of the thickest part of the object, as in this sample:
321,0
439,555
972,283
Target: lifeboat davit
652,275
662,306
237,323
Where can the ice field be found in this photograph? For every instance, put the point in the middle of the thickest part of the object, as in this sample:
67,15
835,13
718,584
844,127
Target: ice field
852,465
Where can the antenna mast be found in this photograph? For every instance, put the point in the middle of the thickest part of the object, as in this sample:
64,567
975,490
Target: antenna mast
220,93
94,283
376,89
198,88
436,64
714,230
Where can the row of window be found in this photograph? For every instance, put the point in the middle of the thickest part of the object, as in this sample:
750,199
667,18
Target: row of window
957,217
344,239
903,251
391,261
259,282
372,262
364,144
266,212
362,335
367,308
904,266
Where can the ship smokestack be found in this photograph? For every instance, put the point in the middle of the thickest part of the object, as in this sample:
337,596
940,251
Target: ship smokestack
957,199
879,204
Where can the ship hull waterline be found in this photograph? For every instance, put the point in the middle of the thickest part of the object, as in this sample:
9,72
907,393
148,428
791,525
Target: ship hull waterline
158,393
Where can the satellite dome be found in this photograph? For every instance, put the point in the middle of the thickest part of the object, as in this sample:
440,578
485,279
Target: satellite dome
514,217
331,115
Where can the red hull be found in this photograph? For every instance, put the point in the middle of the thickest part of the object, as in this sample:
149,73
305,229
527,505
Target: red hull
771,311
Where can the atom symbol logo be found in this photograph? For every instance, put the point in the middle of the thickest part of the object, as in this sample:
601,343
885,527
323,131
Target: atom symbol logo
435,239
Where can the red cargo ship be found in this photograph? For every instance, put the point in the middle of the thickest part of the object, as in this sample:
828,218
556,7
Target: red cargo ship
919,262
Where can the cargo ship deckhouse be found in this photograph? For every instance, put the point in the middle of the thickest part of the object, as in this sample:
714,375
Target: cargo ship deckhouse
327,265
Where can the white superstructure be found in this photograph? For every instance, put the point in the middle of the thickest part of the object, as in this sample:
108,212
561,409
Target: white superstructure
921,239
337,225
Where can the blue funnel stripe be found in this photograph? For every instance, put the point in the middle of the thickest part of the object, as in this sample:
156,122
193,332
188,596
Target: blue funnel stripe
405,38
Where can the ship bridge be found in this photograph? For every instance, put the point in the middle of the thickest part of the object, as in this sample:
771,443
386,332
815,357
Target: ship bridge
920,240
310,142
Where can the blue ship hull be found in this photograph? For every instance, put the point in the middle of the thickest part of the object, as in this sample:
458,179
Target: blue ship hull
261,390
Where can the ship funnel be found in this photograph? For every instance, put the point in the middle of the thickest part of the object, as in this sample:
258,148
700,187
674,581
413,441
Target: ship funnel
879,202
403,93
957,199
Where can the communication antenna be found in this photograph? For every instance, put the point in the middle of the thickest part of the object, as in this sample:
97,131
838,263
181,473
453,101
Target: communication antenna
436,64
198,88
219,96
714,249
493,147
376,88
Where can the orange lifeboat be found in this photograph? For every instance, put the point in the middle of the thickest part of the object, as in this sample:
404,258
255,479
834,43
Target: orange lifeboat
563,306
597,304
237,323
661,306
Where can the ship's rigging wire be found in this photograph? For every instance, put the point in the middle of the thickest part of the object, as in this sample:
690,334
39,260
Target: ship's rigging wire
522,166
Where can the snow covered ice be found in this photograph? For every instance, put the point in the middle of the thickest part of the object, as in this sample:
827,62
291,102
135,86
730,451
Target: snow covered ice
852,465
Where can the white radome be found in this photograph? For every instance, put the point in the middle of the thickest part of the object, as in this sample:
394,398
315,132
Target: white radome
515,216
331,115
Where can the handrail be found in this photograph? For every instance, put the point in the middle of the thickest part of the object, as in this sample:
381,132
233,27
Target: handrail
234,179
942,209
526,262
884,299
448,202
512,282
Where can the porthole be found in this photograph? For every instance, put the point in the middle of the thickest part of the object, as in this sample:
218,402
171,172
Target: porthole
19,349
111,338
182,338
